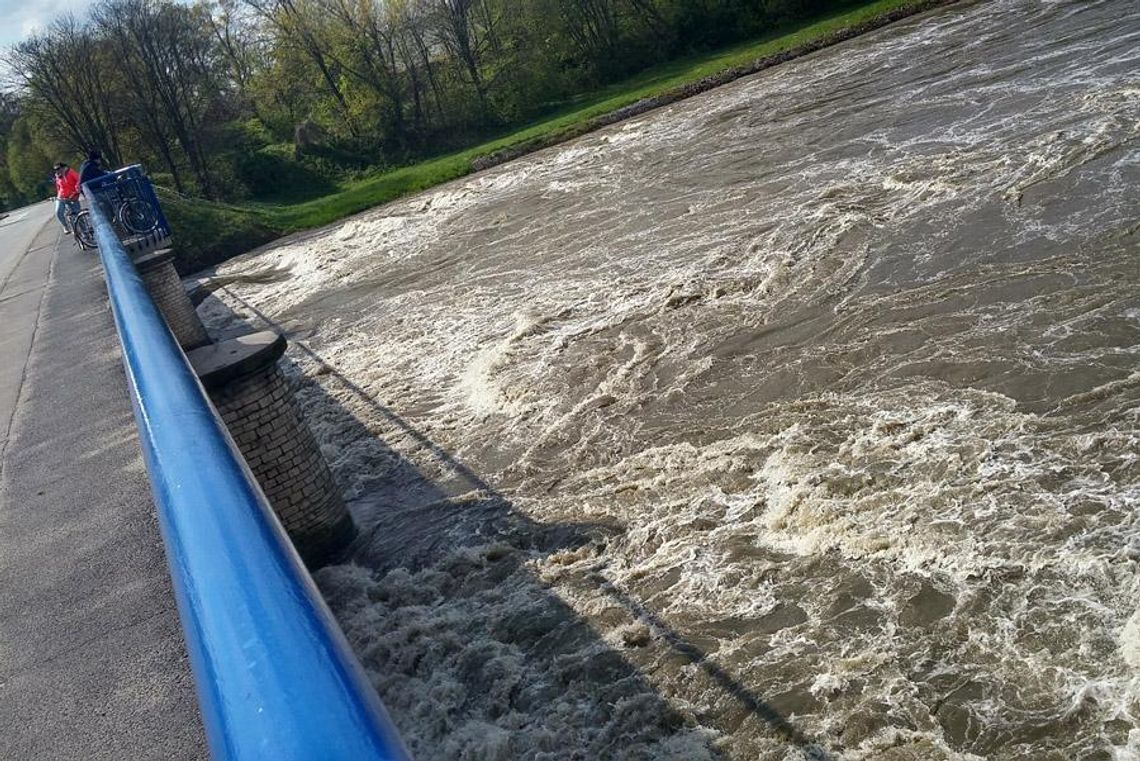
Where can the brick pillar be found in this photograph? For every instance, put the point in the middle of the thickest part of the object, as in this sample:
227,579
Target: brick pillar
254,399
165,287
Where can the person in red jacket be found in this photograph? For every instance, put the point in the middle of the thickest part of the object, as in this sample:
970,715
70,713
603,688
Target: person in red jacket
66,195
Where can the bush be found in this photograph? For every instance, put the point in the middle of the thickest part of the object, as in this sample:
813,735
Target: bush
272,173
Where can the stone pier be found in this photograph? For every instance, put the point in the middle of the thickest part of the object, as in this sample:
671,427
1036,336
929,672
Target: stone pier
165,287
256,402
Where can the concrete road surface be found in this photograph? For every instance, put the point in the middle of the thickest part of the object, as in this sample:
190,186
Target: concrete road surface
92,662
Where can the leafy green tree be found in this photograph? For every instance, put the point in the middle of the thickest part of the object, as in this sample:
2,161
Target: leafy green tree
29,162
220,95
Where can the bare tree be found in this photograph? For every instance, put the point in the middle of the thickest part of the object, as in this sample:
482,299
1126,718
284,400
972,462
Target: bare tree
59,68
239,42
453,29
166,51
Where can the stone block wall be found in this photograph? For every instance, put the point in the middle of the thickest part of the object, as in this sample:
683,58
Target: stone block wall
170,297
266,423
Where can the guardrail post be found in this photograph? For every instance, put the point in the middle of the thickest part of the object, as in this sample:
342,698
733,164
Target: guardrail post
165,287
253,397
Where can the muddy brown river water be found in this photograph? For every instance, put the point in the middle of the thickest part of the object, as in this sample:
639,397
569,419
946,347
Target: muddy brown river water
795,420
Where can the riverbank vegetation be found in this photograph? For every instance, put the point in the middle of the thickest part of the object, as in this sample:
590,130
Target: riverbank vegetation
269,116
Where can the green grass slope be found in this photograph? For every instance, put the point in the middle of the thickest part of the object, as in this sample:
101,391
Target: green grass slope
207,233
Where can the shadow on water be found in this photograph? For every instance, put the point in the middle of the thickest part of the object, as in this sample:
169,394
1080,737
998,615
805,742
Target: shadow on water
411,522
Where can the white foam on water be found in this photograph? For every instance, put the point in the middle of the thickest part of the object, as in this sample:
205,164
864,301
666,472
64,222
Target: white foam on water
1130,641
831,372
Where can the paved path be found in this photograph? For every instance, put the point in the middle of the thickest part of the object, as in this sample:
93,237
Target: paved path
92,664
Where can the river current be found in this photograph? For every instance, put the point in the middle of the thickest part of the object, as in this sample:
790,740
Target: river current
798,419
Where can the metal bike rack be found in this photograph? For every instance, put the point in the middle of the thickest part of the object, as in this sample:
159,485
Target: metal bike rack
133,176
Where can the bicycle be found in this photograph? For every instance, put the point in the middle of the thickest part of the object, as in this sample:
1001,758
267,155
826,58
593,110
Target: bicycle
134,213
131,214
81,228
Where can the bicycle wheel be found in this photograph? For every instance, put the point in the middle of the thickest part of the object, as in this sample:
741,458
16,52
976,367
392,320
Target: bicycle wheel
137,216
84,231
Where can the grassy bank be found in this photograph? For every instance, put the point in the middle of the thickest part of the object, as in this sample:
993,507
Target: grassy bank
249,226
206,233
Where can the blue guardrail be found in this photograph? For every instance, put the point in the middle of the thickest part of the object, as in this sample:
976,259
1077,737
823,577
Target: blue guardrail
276,678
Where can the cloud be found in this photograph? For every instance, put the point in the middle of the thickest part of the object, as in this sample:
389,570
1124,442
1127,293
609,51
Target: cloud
23,17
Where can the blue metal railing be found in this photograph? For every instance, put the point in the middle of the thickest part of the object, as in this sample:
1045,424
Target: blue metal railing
276,678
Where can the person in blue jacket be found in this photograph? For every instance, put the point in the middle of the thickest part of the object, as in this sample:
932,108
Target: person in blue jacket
92,167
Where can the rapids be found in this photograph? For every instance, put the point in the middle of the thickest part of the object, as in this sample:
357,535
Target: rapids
795,420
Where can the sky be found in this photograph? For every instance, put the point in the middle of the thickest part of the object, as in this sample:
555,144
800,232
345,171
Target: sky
19,18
